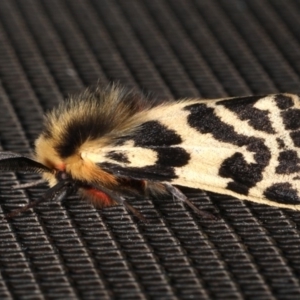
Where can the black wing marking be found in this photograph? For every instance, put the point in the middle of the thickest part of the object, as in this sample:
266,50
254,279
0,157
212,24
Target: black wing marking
154,173
163,141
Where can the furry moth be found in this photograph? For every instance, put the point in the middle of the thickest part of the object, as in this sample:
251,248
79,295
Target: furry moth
109,143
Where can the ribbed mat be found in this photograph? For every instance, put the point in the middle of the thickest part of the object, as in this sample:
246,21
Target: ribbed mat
174,49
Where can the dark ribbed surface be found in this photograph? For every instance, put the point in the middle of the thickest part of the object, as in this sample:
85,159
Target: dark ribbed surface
174,48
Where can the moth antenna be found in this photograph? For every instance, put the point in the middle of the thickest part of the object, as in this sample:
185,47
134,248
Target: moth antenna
56,193
176,193
10,161
29,184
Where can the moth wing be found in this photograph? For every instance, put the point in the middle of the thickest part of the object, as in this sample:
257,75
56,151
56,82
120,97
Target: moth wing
239,147
211,169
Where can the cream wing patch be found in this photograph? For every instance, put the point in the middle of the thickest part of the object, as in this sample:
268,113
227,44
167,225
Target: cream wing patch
127,154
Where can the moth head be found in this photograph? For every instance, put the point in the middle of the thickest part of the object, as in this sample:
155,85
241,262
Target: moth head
10,161
74,165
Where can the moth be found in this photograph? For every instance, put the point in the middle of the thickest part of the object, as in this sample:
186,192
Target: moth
109,143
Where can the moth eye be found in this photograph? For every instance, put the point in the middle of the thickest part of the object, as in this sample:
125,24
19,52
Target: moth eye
62,175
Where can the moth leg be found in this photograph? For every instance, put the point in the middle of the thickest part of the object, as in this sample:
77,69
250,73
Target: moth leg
134,211
29,205
176,193
56,193
24,208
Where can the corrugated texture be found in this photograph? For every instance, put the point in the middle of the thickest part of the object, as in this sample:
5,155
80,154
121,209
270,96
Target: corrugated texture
174,48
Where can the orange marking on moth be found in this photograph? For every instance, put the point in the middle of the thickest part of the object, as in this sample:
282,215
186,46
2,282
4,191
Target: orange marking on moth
60,167
99,196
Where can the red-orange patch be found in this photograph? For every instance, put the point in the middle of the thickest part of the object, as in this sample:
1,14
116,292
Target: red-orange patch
60,167
99,197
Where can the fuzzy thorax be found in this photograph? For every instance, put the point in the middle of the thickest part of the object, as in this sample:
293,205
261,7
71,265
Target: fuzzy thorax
88,121
74,165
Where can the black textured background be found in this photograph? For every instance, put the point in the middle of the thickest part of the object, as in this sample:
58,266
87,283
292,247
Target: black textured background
174,48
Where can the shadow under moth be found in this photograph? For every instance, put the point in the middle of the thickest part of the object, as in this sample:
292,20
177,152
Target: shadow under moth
109,143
